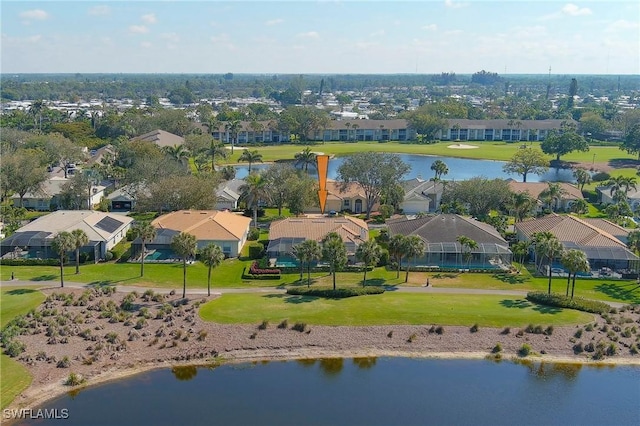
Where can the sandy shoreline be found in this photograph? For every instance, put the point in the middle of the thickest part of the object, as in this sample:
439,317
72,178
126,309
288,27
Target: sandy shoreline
102,349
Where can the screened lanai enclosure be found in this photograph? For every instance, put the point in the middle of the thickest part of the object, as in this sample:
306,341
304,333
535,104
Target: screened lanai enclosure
452,255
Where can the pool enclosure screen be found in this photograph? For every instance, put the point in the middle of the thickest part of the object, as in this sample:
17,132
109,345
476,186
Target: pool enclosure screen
454,255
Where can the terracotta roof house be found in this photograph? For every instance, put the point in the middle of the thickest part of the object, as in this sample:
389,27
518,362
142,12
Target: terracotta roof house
160,138
350,198
33,240
284,234
594,237
442,250
225,229
535,189
421,195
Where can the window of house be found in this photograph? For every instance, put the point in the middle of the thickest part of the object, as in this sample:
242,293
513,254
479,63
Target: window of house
347,203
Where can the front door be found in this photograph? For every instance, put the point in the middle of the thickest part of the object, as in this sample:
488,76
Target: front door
358,206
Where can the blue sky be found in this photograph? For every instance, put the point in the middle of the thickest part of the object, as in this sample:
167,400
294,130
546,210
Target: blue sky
321,36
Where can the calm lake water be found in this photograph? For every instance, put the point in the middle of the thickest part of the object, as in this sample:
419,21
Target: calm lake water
459,169
365,391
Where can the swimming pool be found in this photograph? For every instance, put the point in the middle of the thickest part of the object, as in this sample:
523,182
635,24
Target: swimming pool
160,254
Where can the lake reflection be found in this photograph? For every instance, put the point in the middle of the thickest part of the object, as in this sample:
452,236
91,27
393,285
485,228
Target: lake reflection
459,169
364,391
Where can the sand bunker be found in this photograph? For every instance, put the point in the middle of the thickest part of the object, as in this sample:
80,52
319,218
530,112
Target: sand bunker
462,146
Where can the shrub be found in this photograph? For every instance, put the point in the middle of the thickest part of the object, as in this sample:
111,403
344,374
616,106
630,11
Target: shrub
263,325
524,350
497,348
474,328
254,234
64,363
633,349
339,293
548,331
283,324
74,380
111,337
578,333
589,347
202,335
14,348
612,349
561,301
253,336
299,326
578,348
506,330
589,327
439,330
413,337
108,256
256,270
600,177
390,334
256,251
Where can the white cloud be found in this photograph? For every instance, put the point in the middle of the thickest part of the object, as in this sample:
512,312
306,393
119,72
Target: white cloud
145,44
223,40
149,18
171,37
430,27
138,29
456,5
310,34
377,33
35,14
274,22
573,10
99,10
453,32
34,38
623,24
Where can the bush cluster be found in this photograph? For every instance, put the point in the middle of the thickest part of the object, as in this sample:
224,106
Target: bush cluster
339,293
30,262
561,301
256,270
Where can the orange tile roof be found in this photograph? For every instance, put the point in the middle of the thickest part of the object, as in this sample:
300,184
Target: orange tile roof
349,228
205,224
535,189
352,190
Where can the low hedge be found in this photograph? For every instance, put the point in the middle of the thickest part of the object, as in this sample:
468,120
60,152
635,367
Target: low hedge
250,276
348,268
339,293
560,301
32,262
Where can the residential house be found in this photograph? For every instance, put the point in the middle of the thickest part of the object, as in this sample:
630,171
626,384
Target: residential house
421,196
570,193
442,250
160,138
499,130
594,237
33,240
228,194
605,196
350,198
122,199
225,229
286,233
47,197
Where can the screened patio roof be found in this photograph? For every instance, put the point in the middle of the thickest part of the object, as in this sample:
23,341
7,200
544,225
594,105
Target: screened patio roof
607,253
483,248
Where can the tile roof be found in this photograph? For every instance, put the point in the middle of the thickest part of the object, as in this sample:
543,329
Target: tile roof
444,228
418,188
160,138
48,188
351,229
350,191
606,226
87,220
205,224
569,229
534,189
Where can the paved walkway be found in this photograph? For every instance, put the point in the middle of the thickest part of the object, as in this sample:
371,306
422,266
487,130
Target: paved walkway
219,291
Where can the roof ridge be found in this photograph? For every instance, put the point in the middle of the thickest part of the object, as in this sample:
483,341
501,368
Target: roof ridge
596,229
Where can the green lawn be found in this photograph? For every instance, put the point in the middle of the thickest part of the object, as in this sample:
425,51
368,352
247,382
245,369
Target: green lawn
387,309
15,378
487,150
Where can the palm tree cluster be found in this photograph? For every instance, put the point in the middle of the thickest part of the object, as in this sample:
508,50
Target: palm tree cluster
620,187
410,247
65,242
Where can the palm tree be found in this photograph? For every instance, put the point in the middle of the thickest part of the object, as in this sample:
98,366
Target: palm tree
553,194
468,244
253,191
305,158
522,204
574,261
520,249
413,249
233,127
62,243
307,252
334,253
583,177
440,168
250,157
79,239
580,206
397,244
212,256
216,149
36,109
368,253
184,245
633,241
179,153
547,245
620,187
147,233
